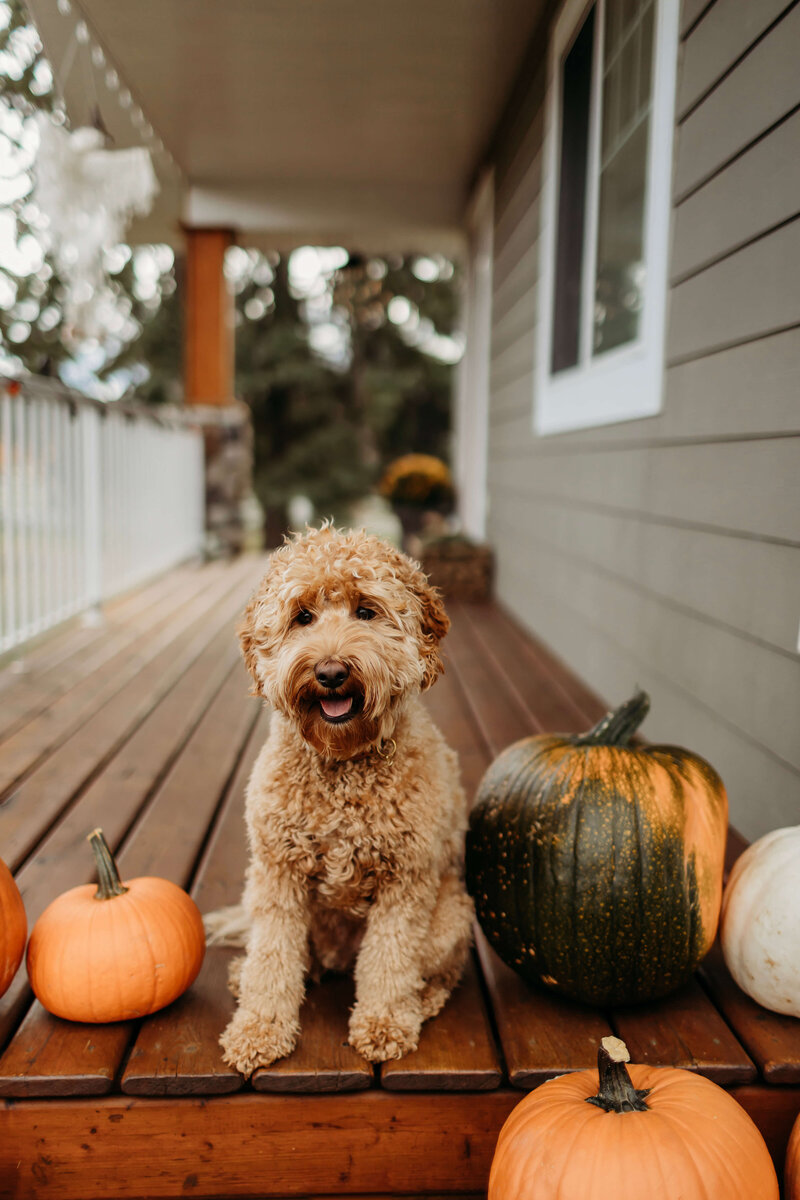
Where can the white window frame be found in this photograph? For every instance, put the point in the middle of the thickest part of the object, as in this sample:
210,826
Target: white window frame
624,383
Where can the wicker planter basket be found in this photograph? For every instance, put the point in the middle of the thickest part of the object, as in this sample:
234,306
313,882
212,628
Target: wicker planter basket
461,569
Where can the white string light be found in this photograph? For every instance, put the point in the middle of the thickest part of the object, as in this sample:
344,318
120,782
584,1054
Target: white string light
113,82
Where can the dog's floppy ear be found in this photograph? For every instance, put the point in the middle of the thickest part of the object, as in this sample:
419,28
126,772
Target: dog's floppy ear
434,624
247,640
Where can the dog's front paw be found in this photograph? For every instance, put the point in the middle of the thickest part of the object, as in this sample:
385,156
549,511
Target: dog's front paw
252,1040
383,1036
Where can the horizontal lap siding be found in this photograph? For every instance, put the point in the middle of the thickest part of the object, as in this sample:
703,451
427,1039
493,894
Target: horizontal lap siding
666,552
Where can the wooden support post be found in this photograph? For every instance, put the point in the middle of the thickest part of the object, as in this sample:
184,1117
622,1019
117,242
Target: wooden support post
208,337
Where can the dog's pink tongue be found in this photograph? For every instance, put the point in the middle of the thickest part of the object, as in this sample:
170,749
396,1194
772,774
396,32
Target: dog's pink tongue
336,706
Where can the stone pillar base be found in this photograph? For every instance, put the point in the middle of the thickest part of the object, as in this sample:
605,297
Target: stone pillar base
228,434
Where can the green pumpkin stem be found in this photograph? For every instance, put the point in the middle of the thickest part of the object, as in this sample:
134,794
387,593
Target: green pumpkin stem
617,1093
618,727
109,883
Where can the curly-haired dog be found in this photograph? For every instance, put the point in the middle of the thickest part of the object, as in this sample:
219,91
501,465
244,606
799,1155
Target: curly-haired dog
355,815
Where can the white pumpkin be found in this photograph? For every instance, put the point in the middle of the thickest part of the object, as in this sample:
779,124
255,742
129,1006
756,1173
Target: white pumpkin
760,921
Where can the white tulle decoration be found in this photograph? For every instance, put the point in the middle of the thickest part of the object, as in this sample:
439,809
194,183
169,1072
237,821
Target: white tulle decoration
88,194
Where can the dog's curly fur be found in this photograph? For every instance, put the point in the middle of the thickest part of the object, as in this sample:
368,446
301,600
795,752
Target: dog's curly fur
356,819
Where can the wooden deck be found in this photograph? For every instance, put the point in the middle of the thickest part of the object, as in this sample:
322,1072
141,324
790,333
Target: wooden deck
145,727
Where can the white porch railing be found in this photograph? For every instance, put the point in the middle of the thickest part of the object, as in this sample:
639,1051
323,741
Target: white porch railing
94,499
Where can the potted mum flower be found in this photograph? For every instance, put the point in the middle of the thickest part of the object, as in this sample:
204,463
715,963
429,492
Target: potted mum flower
417,485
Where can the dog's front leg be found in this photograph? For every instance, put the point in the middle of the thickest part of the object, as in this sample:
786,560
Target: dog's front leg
387,1016
272,980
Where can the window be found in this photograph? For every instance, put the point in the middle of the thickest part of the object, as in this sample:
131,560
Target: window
605,213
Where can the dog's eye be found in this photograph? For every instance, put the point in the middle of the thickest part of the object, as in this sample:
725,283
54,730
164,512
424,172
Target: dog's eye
363,613
304,617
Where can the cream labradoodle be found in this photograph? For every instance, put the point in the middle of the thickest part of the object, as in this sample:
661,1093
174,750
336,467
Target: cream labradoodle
355,813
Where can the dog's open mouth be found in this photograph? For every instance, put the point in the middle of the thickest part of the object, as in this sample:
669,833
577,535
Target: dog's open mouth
338,709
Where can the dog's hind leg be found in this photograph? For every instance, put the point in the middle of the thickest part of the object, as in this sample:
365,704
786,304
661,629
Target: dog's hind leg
447,944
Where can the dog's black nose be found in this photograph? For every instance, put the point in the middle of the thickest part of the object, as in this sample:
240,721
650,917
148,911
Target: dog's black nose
331,673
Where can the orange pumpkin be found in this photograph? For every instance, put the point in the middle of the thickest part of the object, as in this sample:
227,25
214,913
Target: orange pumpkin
658,1131
13,927
120,951
791,1176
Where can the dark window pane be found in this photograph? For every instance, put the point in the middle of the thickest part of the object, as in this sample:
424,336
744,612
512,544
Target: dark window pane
620,278
575,94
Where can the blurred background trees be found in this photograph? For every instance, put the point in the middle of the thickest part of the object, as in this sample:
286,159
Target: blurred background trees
344,359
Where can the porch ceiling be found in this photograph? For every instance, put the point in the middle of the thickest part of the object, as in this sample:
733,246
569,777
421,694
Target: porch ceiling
337,120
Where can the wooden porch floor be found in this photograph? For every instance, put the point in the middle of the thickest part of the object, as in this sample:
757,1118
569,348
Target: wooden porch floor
144,726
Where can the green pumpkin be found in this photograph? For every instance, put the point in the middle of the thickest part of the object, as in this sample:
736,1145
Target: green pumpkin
596,866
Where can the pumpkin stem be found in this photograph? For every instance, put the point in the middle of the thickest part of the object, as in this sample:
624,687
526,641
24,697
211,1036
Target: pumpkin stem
109,883
618,727
617,1093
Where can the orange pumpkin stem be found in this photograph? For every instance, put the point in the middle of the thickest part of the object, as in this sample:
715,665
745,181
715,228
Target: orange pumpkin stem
618,727
617,1093
109,883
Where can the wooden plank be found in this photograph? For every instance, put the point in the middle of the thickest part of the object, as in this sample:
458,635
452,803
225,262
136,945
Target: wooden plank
747,295
165,842
541,1034
742,107
774,1111
684,1030
50,1057
55,647
112,800
450,713
117,792
456,1051
29,809
375,1144
723,36
323,1060
248,1145
757,192
555,699
41,699
495,707
54,724
177,1053
62,657
772,1040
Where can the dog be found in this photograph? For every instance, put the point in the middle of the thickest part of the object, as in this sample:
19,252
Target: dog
355,814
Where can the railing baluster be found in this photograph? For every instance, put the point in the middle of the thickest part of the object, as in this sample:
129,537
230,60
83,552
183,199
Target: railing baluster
9,529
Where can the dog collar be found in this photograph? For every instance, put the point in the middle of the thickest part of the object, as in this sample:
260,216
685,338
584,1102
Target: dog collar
387,749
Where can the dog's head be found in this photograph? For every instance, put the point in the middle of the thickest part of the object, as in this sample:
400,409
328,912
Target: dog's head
341,630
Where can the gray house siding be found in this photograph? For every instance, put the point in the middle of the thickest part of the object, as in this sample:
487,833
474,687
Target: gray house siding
666,552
